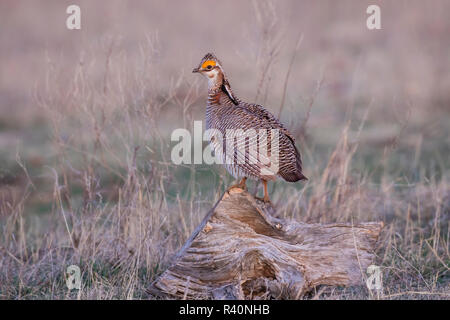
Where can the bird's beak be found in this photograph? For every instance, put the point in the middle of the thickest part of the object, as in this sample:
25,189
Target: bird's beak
195,70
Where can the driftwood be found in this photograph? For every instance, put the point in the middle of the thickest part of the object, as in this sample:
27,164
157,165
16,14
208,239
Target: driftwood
240,251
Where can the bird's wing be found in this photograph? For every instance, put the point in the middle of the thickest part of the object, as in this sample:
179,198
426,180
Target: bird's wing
290,161
260,163
264,115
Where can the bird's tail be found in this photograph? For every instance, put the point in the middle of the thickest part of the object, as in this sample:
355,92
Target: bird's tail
296,174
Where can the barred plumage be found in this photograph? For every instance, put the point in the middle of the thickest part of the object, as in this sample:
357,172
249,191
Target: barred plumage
235,121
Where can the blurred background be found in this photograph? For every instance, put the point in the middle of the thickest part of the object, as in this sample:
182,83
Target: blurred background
86,117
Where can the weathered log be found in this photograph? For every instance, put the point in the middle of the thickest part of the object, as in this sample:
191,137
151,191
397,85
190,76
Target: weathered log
240,251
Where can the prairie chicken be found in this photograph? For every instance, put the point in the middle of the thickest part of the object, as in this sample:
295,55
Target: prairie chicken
238,128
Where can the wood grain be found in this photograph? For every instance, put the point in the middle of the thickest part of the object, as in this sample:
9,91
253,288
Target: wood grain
240,251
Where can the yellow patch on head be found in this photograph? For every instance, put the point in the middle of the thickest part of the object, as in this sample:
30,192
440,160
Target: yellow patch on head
207,63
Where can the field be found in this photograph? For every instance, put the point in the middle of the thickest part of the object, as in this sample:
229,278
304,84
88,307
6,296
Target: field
86,117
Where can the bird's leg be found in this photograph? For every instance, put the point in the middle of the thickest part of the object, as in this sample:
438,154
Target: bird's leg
242,184
266,193
266,198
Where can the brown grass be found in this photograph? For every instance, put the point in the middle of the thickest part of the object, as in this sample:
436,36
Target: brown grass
86,176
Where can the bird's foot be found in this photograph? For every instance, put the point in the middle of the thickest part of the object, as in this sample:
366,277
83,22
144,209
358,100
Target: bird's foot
264,199
241,185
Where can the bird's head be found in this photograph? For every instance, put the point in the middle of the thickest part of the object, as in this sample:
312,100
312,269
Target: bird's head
211,68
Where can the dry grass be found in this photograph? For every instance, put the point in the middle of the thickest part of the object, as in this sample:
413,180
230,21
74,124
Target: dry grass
86,176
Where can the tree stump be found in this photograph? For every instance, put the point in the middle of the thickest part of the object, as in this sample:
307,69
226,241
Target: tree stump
240,251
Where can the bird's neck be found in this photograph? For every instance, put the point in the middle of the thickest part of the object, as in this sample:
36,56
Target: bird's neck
215,80
218,86
214,95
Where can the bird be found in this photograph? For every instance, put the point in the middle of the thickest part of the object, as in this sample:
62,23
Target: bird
241,128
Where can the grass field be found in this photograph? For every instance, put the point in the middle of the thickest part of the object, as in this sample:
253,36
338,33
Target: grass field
86,116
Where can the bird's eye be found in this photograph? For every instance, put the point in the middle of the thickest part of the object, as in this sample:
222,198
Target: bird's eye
208,64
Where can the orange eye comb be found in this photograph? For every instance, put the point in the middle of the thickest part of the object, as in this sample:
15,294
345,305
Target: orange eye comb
207,63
